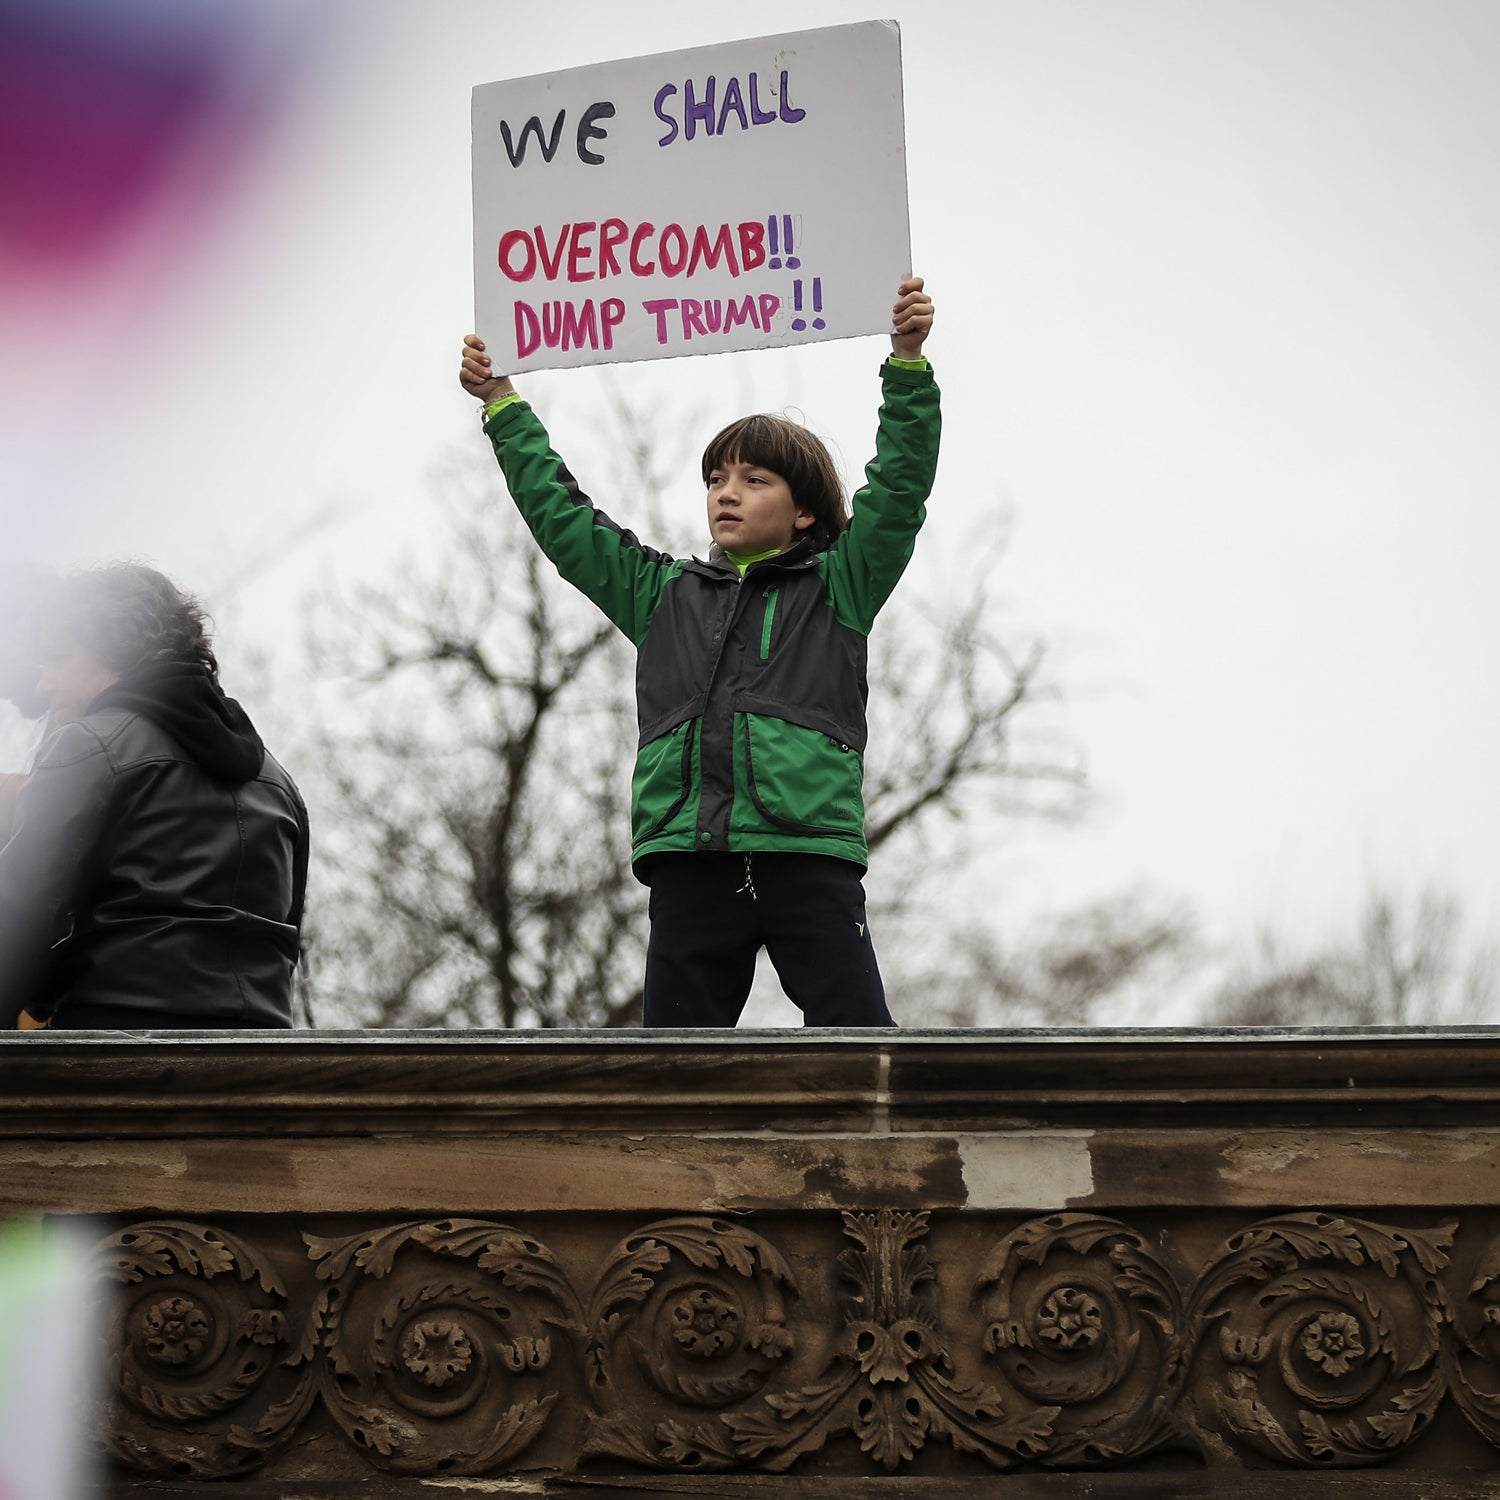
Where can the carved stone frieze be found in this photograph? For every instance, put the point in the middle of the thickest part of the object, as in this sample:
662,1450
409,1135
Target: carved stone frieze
445,1346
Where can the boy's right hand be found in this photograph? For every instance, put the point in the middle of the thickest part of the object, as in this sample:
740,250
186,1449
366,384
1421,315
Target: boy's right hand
476,376
911,319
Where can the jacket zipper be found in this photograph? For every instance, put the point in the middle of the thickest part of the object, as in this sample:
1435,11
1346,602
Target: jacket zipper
765,629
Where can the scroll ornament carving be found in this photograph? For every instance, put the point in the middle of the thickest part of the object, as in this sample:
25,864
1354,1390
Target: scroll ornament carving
1471,1357
1082,1317
439,1342
454,1346
888,1380
1323,1336
688,1313
206,1375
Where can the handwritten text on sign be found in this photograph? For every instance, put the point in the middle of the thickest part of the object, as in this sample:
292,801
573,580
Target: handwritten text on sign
733,197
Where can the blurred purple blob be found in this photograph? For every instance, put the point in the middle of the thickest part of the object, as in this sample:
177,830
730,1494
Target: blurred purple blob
124,124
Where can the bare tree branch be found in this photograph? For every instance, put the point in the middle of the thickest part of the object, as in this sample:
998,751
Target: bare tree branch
1404,966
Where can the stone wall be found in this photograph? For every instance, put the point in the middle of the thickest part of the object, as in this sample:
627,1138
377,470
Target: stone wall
1146,1264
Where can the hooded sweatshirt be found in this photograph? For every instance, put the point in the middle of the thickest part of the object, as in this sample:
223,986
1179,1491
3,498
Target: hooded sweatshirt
158,864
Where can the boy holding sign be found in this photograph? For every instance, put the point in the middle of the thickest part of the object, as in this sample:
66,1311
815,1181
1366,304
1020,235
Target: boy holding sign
747,804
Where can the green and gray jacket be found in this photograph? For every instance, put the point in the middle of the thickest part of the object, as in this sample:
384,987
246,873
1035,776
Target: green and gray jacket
750,692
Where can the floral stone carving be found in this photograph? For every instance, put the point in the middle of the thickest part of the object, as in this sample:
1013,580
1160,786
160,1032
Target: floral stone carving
207,1378
1328,1336
1471,1357
890,1380
1084,1320
438,1342
464,1347
688,1313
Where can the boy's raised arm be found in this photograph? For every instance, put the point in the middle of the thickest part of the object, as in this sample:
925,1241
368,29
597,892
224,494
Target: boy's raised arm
867,561
600,559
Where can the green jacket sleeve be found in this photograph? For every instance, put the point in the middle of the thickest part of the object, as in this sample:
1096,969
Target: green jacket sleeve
600,559
867,561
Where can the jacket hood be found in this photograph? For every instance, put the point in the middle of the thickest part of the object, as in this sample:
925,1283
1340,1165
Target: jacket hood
184,701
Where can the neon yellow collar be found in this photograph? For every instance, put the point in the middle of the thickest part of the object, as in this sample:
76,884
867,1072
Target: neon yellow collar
743,562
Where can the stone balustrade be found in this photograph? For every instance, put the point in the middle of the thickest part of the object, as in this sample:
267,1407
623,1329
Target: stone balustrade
1146,1264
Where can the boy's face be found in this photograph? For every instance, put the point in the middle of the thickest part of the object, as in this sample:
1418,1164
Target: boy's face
751,509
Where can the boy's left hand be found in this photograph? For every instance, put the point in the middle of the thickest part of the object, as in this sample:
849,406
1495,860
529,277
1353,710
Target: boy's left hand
911,319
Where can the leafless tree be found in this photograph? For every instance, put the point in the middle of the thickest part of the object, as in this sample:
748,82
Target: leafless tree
1119,954
474,752
1405,966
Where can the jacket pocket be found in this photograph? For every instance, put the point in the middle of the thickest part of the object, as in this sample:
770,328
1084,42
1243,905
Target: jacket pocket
663,780
801,780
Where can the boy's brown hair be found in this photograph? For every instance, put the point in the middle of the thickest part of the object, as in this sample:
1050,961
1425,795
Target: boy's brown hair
799,457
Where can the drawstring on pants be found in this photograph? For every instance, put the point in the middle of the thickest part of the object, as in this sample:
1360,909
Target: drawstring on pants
749,884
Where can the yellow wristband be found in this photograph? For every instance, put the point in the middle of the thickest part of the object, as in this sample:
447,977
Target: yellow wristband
491,407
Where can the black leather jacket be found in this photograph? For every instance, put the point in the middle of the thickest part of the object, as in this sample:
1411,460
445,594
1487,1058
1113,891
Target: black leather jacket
139,882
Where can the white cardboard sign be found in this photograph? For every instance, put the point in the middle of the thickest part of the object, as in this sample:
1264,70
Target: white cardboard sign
733,197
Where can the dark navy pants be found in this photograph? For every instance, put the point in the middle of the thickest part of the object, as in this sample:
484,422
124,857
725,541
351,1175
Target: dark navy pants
712,913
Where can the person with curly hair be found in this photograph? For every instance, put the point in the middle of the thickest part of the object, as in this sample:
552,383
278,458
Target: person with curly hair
156,874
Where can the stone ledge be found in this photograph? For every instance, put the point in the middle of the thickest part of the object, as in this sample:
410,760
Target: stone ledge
64,1083
1102,1265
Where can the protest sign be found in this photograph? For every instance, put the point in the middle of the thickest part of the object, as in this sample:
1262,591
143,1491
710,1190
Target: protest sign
741,196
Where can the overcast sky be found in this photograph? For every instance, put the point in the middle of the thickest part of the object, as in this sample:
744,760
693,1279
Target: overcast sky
1218,330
